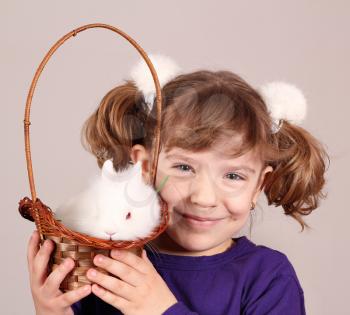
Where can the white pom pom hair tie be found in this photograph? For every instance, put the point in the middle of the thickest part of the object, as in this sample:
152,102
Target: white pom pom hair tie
166,70
284,102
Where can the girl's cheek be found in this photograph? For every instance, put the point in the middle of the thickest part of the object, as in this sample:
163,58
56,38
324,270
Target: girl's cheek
173,192
238,207
175,196
237,189
237,199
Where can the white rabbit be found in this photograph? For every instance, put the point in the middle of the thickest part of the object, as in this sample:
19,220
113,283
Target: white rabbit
116,206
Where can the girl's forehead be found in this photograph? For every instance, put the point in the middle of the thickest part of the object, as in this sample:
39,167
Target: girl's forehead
224,147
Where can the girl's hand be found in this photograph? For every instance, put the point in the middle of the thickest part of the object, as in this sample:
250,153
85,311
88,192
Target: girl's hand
48,299
140,289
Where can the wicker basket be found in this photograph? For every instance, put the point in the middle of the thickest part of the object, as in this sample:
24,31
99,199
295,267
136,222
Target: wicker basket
81,247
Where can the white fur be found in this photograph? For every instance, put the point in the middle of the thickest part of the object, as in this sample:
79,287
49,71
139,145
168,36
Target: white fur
104,205
284,101
166,69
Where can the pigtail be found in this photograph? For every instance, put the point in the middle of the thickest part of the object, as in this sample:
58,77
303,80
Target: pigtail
116,125
298,178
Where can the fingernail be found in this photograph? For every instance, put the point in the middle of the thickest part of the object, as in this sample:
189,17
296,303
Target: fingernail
92,273
67,262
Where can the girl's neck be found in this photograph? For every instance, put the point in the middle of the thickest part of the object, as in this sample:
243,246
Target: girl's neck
164,244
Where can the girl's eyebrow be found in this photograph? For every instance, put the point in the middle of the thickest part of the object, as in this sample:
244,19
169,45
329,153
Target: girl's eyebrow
179,156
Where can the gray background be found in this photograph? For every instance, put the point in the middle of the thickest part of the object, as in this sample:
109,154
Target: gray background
302,42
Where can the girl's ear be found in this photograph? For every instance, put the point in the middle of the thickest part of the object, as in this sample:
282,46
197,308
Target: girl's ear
259,186
139,153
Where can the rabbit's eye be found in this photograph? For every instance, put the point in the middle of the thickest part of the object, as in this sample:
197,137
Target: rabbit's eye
128,216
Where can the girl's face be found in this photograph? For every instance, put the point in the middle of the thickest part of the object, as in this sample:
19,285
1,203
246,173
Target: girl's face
211,186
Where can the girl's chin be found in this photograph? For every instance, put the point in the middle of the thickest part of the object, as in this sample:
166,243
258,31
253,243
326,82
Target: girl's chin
190,241
199,246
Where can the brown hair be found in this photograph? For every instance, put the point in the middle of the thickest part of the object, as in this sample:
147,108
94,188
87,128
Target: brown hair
200,107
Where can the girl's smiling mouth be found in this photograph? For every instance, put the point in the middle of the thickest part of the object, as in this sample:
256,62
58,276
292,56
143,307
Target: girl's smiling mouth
196,221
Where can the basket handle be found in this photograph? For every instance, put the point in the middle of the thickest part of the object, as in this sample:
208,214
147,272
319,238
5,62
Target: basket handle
73,33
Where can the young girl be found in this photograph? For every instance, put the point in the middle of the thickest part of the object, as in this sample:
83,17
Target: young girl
221,145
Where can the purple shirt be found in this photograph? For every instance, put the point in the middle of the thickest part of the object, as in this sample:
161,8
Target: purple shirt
246,279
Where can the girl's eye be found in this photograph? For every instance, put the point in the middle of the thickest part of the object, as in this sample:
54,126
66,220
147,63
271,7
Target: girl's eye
180,165
185,168
236,176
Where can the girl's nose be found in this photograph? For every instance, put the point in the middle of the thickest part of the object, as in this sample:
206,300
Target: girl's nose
203,191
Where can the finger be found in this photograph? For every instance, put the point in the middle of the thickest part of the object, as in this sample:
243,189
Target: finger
32,248
70,297
110,298
55,278
112,284
41,261
130,259
145,258
125,272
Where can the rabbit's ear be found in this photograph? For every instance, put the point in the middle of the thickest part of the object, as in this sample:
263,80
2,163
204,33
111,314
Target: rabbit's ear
137,171
107,169
137,187
138,168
